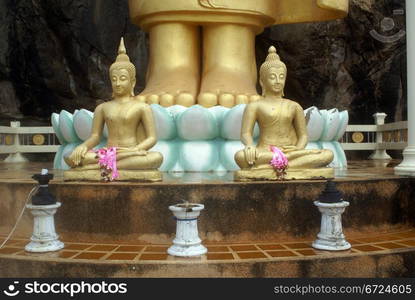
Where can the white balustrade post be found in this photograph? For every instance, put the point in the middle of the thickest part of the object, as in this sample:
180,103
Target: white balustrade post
379,153
407,167
15,157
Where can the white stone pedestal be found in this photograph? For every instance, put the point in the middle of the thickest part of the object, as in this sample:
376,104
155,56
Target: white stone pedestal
187,241
44,238
331,235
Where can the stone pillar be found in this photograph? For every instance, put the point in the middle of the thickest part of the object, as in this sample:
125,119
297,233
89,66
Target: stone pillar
379,153
407,167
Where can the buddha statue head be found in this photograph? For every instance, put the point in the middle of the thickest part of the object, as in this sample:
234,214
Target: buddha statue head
272,74
122,73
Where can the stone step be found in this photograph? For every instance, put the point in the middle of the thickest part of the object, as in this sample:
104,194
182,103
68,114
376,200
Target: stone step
234,212
388,254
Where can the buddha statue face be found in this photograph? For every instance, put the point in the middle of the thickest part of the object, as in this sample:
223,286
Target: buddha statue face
122,74
122,83
272,74
274,81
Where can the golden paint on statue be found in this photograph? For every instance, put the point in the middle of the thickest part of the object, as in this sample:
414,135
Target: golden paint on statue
131,129
282,124
224,71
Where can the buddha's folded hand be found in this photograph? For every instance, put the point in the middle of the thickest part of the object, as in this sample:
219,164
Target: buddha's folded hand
78,154
287,149
135,150
250,154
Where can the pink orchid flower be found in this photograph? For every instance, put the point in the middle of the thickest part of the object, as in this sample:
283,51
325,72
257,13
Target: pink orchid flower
279,161
108,161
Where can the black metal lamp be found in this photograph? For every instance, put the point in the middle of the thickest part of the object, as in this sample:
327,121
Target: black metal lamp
330,194
43,196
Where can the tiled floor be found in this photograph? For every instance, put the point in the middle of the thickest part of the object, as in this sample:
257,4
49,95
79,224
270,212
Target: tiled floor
384,243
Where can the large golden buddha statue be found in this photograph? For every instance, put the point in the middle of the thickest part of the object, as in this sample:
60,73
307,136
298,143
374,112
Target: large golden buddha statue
204,50
131,133
282,126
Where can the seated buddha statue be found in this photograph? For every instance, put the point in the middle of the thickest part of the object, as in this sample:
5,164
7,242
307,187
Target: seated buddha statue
282,124
131,133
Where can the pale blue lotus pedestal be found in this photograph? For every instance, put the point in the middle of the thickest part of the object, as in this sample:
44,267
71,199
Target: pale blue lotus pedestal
199,139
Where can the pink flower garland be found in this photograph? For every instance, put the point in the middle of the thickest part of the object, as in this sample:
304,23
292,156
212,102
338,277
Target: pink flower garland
108,163
279,162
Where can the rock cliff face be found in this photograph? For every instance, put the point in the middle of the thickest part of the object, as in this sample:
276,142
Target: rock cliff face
55,54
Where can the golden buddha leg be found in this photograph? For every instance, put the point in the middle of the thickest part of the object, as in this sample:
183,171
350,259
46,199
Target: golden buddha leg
302,164
152,160
125,160
229,28
309,159
262,160
229,66
89,159
174,70
301,159
240,160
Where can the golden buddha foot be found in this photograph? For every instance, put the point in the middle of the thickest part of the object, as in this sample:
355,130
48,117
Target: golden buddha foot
282,124
204,50
131,133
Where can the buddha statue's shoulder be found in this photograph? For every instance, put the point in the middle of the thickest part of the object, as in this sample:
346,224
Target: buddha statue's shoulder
254,104
293,104
141,105
100,107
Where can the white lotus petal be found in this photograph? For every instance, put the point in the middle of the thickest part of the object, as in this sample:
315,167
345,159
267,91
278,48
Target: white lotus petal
164,122
199,156
197,124
331,124
66,127
315,125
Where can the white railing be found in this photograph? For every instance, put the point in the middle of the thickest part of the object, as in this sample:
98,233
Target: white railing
15,140
379,137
